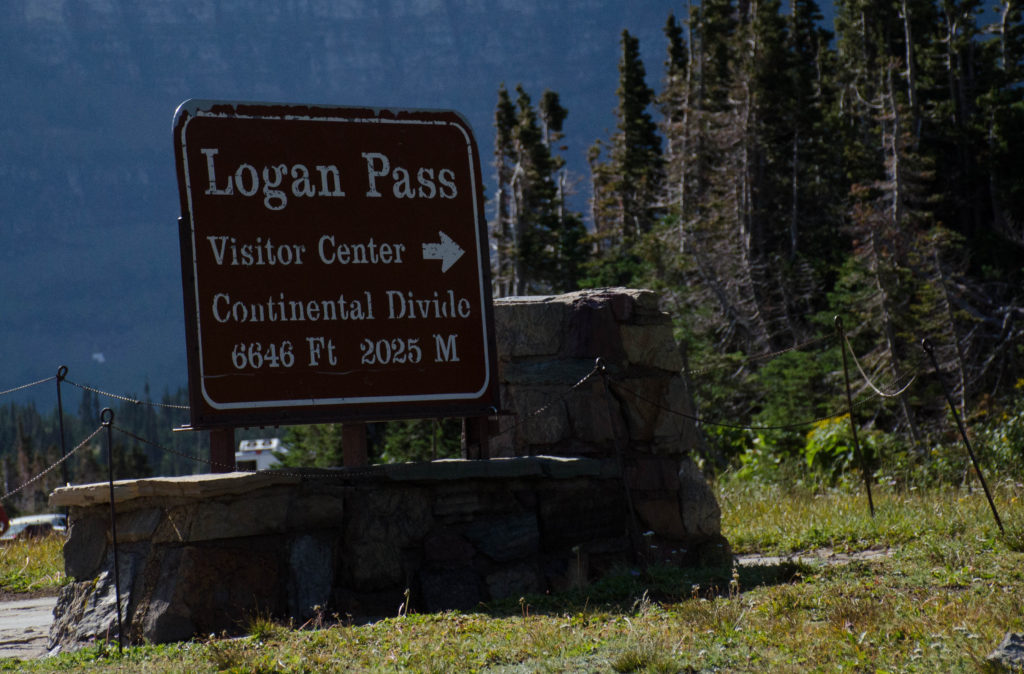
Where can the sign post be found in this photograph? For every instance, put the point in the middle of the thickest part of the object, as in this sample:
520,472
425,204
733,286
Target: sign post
334,264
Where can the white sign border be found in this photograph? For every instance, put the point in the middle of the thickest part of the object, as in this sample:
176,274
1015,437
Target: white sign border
197,109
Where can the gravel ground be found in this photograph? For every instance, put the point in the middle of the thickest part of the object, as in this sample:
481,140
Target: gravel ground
25,627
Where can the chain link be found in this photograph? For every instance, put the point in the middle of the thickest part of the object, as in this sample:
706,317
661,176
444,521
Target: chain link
191,457
25,386
913,374
598,367
126,398
59,461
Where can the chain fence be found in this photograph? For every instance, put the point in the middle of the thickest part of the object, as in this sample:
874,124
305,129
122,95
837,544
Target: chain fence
618,386
911,376
26,386
52,466
126,399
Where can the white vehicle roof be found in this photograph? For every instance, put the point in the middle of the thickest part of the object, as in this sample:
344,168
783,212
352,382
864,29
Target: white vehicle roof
56,520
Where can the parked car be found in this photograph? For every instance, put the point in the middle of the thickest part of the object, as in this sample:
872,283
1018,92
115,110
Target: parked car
36,525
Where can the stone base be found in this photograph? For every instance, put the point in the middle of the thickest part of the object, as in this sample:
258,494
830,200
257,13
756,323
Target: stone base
201,555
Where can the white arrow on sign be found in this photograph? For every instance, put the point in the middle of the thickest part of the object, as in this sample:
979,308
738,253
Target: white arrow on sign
447,251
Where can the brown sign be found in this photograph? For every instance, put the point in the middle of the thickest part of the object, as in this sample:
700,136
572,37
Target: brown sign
334,264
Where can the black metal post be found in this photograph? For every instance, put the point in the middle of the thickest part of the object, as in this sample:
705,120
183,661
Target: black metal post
853,424
930,350
62,372
107,419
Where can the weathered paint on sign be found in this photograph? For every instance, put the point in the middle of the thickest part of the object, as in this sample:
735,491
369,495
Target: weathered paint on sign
334,264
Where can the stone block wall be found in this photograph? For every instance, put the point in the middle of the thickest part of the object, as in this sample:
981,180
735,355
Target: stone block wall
199,555
548,344
600,477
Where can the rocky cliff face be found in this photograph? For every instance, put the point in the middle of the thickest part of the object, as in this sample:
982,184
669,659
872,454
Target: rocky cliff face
87,229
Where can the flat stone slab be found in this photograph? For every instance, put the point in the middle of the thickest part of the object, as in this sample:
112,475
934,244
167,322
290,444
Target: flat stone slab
228,484
188,486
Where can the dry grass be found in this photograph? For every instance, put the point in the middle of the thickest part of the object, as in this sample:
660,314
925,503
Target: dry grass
940,601
32,565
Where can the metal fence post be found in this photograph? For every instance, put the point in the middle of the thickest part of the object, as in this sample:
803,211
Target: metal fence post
107,419
853,425
62,372
930,350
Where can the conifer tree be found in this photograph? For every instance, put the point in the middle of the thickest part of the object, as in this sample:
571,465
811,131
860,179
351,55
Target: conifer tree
89,409
634,165
716,22
503,231
817,183
539,246
319,445
1000,120
638,151
627,184
569,241
888,217
536,196
674,103
703,252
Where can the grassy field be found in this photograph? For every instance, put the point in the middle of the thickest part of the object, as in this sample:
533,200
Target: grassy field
32,566
936,594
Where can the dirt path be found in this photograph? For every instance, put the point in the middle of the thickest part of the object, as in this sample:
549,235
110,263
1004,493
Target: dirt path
820,556
25,627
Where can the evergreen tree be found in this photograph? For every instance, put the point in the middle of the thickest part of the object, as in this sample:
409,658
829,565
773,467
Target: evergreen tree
628,184
539,245
89,409
130,463
674,103
1000,123
24,458
537,197
817,183
314,445
421,440
504,230
637,151
569,242
88,467
716,22
936,312
888,218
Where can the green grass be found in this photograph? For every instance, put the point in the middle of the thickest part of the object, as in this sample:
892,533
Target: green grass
768,518
942,598
32,565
